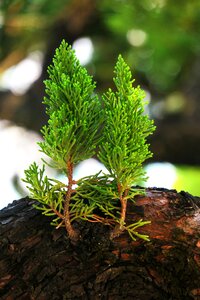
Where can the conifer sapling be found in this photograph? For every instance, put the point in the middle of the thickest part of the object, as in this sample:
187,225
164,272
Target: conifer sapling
124,148
78,125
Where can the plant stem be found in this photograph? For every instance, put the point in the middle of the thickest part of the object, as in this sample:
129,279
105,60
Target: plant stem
123,201
73,234
123,211
122,196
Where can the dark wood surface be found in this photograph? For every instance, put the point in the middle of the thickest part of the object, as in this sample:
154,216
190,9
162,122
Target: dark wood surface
39,262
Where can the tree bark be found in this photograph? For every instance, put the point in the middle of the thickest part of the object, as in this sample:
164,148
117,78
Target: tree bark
39,262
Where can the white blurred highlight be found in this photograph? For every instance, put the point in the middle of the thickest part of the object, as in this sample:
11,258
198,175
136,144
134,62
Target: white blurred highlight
161,175
84,50
18,149
20,77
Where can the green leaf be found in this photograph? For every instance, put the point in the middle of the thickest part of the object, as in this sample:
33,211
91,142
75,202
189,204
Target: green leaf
78,125
74,111
124,147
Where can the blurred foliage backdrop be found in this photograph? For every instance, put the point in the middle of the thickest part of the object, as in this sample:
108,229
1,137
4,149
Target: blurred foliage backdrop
159,39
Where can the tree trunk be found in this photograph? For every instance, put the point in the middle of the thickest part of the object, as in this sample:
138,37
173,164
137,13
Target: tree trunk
38,261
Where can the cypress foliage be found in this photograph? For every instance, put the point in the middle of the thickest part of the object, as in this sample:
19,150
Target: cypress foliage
73,108
78,125
124,147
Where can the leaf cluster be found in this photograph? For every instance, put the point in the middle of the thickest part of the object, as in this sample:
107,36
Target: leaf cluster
79,124
90,202
124,147
73,108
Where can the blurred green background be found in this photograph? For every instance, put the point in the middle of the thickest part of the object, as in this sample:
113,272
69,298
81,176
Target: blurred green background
159,39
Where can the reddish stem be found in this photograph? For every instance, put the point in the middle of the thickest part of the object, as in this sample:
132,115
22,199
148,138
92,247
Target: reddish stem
123,201
122,196
73,234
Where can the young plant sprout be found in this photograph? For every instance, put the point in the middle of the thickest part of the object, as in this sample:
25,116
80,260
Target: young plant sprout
80,125
124,148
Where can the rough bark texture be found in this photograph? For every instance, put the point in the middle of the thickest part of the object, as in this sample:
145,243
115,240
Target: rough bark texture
39,262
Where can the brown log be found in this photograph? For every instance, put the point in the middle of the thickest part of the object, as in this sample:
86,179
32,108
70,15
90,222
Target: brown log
39,262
